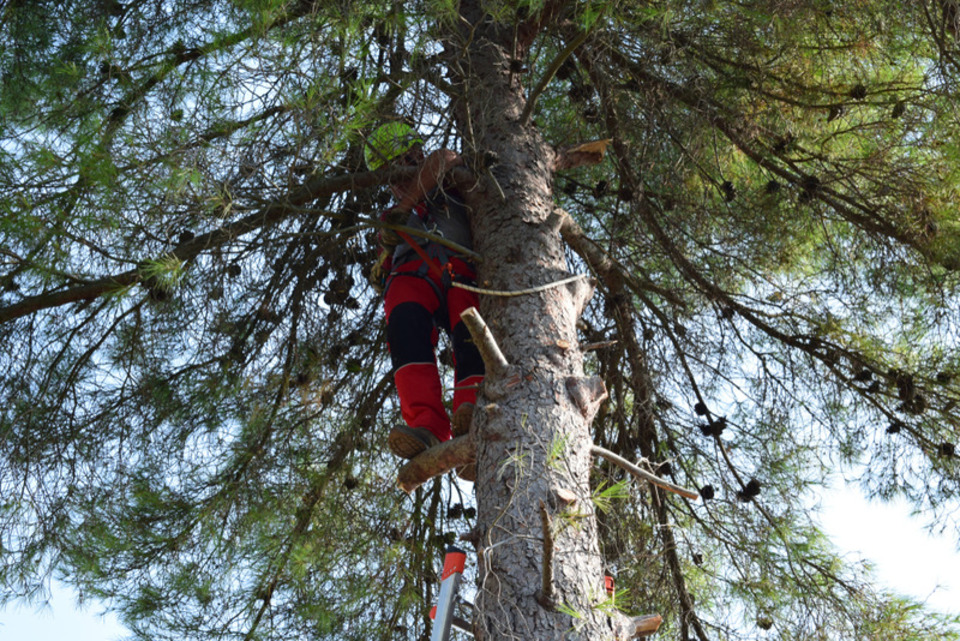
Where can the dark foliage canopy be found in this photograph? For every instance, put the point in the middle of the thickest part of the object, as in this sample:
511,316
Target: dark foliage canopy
195,390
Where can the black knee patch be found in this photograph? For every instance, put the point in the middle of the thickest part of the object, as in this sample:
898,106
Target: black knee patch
466,354
409,331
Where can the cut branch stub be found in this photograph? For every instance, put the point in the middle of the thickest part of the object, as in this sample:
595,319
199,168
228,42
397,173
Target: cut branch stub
588,153
582,291
587,394
494,360
647,624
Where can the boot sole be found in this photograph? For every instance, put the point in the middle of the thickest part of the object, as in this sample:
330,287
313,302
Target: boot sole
407,442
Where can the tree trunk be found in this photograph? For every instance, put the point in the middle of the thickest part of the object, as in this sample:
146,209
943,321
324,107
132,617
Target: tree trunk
532,425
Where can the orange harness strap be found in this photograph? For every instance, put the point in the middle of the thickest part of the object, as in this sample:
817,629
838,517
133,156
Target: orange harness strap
433,265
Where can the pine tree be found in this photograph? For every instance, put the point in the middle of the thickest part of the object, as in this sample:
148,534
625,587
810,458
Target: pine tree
750,282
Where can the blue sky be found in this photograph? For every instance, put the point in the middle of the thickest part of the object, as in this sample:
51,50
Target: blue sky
60,620
906,558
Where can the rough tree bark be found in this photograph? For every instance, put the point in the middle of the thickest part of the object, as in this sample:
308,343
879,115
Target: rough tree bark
532,422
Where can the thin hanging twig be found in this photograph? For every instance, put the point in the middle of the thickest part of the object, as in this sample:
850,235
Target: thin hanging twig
643,474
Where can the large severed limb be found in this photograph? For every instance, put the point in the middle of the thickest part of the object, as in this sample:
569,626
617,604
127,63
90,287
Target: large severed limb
437,460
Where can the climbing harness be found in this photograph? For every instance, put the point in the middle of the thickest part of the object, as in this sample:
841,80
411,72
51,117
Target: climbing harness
438,266
434,266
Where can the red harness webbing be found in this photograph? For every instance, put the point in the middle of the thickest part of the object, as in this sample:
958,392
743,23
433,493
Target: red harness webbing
433,265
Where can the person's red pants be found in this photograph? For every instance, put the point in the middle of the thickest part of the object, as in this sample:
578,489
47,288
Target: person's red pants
416,305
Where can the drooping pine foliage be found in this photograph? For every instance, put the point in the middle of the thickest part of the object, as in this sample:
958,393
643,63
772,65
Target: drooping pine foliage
195,390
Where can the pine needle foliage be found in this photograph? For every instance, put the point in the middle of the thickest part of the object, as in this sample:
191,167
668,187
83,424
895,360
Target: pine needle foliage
195,390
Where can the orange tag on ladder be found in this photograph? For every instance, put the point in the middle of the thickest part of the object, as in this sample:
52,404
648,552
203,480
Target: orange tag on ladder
453,562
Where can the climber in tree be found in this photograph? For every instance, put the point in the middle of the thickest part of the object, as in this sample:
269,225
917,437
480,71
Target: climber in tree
418,294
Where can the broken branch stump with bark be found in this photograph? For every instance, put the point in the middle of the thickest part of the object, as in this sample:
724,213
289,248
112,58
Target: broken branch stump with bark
494,360
545,596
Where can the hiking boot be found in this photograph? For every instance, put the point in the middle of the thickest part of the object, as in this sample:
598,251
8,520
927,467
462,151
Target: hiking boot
463,419
406,442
